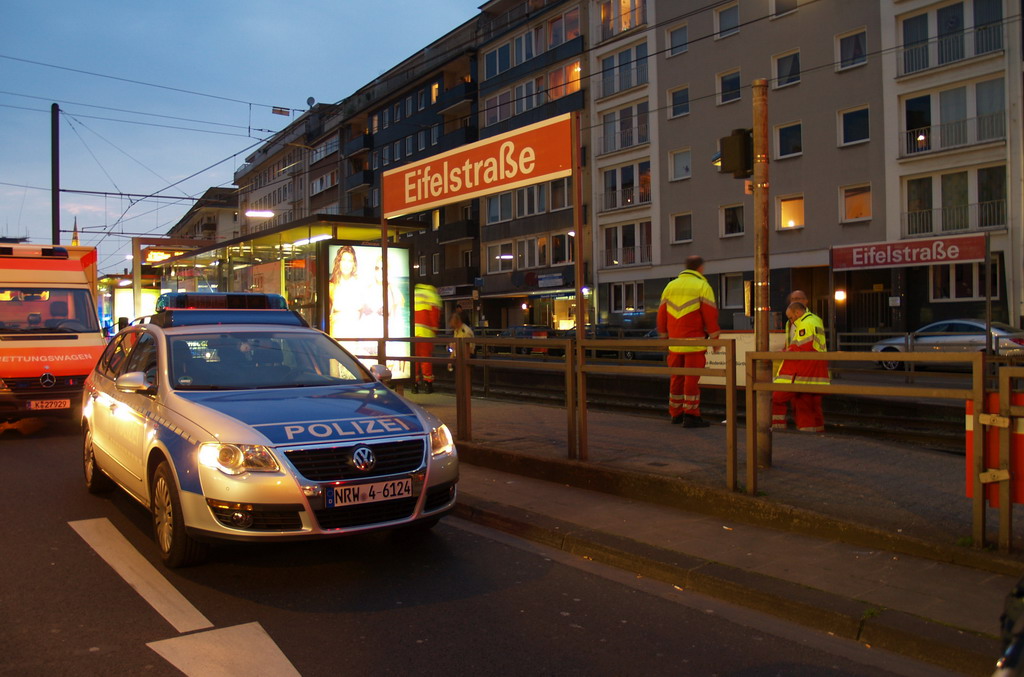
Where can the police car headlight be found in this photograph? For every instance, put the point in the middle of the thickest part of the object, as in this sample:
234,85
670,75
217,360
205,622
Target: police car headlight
441,441
235,459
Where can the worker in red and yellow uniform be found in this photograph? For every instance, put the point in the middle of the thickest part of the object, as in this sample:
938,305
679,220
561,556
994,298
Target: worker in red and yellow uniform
806,333
427,316
687,310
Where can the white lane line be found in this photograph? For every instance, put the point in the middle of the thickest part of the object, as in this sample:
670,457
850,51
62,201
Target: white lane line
241,650
123,558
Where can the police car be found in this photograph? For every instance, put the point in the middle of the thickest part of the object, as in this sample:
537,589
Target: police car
230,418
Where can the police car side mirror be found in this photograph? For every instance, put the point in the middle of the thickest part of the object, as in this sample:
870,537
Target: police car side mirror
133,381
381,373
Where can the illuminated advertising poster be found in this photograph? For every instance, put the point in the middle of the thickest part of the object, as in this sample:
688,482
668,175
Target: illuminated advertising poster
355,292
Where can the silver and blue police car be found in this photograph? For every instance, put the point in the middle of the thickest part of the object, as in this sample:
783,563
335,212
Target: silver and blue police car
245,423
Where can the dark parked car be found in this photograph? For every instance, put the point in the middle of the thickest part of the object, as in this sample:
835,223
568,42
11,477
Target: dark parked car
525,331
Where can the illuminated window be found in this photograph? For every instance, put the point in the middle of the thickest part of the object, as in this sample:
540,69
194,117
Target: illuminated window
856,203
791,212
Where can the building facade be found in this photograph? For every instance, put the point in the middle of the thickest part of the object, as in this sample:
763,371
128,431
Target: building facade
892,123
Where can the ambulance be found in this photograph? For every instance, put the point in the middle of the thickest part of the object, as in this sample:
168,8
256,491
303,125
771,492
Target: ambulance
49,330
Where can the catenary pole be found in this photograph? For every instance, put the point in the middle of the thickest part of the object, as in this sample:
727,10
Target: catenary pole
55,172
762,267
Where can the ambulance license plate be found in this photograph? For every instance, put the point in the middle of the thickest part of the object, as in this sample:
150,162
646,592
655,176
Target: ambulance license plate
352,494
49,404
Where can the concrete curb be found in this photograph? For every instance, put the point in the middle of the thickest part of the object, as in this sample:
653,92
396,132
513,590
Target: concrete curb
869,624
681,494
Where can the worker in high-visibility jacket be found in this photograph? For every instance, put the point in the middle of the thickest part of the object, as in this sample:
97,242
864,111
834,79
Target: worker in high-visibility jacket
687,310
805,333
427,316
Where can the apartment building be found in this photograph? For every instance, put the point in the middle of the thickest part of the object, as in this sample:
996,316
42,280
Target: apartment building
214,216
531,68
952,87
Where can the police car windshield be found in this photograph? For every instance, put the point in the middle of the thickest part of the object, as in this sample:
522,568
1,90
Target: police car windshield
246,360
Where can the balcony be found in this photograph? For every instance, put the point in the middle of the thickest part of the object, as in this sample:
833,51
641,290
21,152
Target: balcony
461,93
625,256
956,134
458,230
359,179
954,220
949,49
361,144
453,277
632,196
624,138
619,79
365,212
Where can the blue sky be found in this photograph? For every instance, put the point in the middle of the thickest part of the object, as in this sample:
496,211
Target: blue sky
251,54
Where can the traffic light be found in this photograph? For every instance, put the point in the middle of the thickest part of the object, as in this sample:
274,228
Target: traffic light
737,151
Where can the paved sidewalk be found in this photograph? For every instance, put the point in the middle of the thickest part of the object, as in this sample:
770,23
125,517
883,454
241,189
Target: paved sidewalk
852,536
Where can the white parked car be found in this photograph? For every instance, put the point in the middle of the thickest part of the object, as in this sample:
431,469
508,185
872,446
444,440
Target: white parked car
249,425
952,336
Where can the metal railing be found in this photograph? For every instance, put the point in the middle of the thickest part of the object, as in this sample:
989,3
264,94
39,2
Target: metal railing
626,197
621,78
634,135
947,49
625,256
572,359
955,134
954,219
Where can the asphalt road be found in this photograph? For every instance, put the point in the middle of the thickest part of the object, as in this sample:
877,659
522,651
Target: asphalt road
462,600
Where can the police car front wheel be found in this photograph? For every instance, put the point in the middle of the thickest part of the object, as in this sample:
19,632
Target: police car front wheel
96,481
177,548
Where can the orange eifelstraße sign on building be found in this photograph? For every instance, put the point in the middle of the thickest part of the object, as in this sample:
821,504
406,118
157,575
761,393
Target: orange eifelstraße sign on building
528,155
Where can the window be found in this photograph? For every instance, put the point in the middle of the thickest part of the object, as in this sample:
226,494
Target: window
435,91
527,254
731,220
679,163
435,263
522,48
626,297
563,246
499,207
962,282
398,111
421,99
375,159
780,7
682,227
421,139
398,151
854,126
531,200
787,69
852,49
422,265
624,70
727,21
625,128
678,40
627,244
499,257
529,95
791,212
956,202
679,100
408,106
732,290
497,60
564,80
561,194
627,186
855,203
789,140
498,108
435,134
729,87
385,118
410,142
620,15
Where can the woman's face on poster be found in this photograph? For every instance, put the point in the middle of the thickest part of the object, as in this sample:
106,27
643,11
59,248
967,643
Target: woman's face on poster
348,264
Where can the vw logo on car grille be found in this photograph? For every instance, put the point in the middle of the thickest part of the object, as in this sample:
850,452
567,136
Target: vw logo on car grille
48,380
364,459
